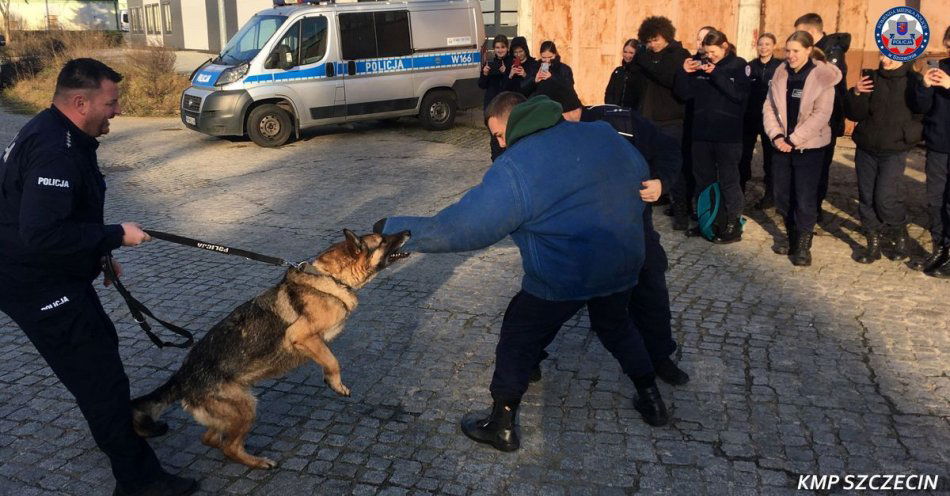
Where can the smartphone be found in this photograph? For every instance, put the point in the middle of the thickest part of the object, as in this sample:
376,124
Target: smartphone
545,66
705,60
867,73
516,62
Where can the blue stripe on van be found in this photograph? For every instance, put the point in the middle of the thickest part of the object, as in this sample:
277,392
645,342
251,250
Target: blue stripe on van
389,65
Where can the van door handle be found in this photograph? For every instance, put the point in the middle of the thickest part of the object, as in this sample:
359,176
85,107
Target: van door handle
331,69
351,68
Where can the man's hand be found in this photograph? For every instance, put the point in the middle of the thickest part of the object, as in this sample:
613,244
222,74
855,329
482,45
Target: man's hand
651,190
865,85
134,235
116,266
379,225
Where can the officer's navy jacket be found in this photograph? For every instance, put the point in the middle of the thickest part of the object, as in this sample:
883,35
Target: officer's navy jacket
51,206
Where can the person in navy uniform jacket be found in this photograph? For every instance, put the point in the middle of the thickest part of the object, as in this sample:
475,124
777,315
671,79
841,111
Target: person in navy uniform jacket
718,85
52,246
761,70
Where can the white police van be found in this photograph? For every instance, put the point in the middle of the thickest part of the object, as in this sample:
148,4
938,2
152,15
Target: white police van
314,63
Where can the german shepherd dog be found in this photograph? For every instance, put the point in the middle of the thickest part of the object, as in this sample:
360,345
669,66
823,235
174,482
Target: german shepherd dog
267,337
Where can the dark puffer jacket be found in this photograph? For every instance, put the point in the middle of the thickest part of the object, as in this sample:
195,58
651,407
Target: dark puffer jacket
496,81
719,99
658,70
625,87
835,46
935,104
885,117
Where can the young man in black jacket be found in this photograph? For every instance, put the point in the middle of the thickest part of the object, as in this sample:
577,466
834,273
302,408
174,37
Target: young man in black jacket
761,70
933,100
658,61
835,46
887,129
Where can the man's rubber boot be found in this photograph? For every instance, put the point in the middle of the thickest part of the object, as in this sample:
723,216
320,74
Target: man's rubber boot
872,251
496,429
801,251
651,407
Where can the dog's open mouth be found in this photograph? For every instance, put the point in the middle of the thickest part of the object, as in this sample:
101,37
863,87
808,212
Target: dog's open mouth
399,255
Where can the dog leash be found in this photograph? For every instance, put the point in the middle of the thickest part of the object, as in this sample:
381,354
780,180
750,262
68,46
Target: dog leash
138,309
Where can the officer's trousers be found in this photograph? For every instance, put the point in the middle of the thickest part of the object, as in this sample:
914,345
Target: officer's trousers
938,196
713,161
880,202
649,306
531,323
797,177
79,342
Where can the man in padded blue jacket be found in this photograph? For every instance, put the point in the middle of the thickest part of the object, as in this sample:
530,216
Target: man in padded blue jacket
566,194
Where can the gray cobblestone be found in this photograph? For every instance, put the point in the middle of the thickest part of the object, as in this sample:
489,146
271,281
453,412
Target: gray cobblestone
838,368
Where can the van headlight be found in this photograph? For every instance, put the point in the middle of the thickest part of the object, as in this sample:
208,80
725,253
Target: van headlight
232,74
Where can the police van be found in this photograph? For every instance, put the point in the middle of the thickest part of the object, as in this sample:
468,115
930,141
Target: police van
300,65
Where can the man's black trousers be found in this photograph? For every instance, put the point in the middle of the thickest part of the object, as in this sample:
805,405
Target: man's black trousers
880,202
750,132
719,162
79,342
531,323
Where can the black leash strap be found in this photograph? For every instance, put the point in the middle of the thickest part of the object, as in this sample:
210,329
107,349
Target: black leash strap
227,250
139,311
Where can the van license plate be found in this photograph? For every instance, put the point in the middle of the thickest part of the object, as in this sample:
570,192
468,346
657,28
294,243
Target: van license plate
191,120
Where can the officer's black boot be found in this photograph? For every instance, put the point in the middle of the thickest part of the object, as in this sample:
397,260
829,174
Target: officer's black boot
782,247
730,233
872,251
497,428
938,255
801,250
941,268
667,370
681,215
166,485
649,402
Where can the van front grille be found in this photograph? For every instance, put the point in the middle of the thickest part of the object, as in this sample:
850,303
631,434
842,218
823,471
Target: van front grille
191,103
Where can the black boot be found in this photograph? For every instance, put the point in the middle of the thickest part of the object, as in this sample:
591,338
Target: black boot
681,215
496,429
900,244
782,247
938,255
872,251
166,485
651,407
730,233
671,374
801,250
941,268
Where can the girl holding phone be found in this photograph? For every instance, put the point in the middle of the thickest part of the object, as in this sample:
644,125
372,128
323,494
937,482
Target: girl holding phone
548,67
521,63
718,86
796,118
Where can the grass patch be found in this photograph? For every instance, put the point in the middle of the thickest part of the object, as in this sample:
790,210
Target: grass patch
150,85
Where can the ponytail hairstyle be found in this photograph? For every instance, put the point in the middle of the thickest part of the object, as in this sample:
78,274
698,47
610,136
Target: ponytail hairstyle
718,38
769,36
805,40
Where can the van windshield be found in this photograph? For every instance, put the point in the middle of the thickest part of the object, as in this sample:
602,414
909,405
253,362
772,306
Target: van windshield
250,39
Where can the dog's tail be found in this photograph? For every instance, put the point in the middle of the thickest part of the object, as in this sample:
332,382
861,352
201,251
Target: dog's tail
146,409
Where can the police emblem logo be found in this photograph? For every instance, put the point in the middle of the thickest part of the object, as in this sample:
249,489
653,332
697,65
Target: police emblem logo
902,34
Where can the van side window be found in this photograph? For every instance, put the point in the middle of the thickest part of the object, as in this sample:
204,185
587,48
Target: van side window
358,35
286,52
313,33
392,33
367,35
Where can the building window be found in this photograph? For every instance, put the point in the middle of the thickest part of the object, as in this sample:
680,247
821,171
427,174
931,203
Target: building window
368,35
167,17
149,20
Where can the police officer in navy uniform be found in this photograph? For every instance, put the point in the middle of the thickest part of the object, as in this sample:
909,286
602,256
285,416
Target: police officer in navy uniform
649,305
52,243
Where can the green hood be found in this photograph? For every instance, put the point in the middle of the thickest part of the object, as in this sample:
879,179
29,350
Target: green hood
539,112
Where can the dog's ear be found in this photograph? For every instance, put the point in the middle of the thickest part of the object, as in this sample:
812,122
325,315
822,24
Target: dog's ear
354,244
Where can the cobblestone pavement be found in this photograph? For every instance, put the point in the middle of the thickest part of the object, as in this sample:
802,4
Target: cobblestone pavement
834,369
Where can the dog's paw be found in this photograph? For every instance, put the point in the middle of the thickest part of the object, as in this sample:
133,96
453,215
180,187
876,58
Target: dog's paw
338,387
264,463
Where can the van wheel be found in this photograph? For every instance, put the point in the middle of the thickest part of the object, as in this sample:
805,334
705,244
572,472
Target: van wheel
437,111
269,125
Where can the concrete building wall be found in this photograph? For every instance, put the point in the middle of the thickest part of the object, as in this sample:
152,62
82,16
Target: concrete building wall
195,28
70,15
